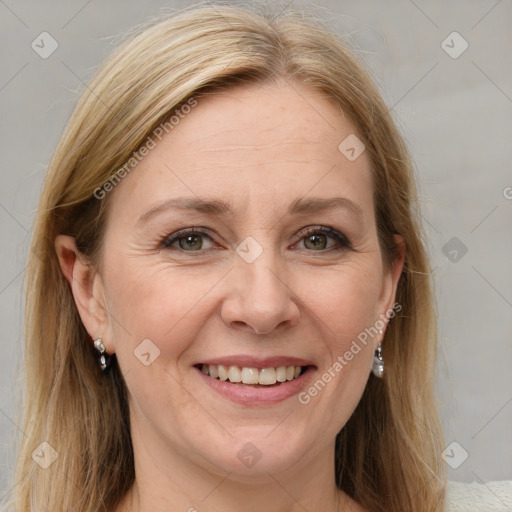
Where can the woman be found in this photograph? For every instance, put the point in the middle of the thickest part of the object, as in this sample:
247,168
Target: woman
229,225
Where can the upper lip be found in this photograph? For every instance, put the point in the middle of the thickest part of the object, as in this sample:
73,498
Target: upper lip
257,362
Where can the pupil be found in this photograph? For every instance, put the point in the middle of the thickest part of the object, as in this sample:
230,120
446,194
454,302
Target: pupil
316,240
190,239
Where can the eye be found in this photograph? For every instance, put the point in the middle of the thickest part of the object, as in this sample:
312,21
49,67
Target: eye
189,240
316,239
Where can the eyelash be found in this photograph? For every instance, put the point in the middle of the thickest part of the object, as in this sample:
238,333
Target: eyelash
343,242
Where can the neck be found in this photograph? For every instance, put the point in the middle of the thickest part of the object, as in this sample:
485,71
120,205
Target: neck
230,496
165,478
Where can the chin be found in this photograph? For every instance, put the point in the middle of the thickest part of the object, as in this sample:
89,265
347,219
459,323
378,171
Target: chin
253,455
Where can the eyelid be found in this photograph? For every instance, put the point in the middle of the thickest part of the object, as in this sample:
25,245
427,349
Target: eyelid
173,237
343,241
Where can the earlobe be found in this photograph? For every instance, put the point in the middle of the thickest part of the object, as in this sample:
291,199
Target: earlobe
83,281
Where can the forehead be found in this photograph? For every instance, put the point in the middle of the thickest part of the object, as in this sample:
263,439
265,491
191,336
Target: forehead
253,144
265,120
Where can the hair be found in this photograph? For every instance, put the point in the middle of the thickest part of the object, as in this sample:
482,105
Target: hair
388,455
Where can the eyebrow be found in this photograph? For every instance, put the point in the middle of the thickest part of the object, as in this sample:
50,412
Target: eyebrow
222,208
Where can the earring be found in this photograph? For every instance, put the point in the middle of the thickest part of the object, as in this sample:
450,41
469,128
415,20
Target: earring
378,361
104,359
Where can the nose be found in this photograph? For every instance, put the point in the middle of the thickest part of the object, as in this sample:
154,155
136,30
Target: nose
260,299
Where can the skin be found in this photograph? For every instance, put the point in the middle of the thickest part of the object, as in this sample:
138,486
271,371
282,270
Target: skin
259,148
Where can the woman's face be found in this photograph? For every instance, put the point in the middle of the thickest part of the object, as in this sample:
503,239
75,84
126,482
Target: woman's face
283,271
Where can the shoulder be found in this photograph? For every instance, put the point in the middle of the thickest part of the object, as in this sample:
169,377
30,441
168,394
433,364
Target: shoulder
476,497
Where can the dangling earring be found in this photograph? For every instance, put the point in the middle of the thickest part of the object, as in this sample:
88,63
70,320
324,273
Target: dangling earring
378,361
104,359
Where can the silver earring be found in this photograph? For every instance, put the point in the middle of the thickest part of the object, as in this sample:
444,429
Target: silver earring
104,359
378,361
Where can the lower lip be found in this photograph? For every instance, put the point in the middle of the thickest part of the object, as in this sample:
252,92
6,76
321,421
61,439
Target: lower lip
249,395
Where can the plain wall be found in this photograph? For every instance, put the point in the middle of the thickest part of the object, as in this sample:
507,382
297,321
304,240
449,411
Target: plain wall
454,112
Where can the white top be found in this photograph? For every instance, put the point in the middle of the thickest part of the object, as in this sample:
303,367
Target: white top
475,497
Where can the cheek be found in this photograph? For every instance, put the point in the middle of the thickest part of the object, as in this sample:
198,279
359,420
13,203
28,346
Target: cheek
157,303
345,304
346,300
160,312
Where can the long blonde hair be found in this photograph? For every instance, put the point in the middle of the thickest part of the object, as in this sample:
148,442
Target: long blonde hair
388,453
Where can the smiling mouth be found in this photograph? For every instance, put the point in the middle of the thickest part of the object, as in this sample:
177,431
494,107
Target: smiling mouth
252,376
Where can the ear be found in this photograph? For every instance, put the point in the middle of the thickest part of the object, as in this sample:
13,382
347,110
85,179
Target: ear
390,281
87,289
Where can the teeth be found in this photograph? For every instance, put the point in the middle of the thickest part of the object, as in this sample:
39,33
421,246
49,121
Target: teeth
248,375
281,374
222,371
268,376
235,374
214,371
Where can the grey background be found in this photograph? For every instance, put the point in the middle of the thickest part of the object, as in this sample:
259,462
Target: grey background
454,113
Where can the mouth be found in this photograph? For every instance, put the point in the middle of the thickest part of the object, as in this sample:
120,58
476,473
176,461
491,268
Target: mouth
256,382
252,376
